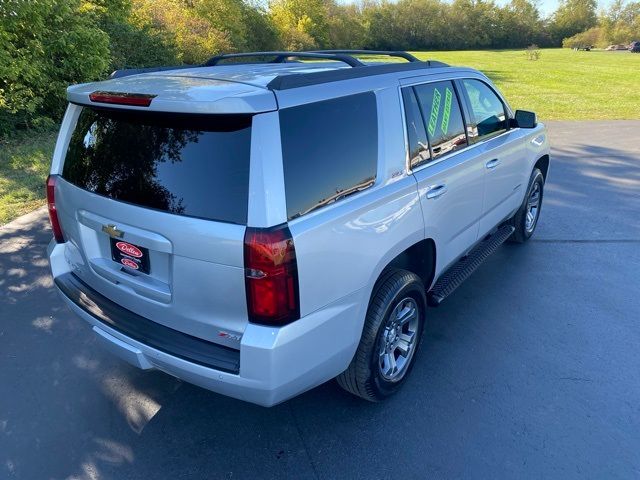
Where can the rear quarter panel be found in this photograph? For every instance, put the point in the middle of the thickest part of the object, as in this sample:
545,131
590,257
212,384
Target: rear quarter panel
343,247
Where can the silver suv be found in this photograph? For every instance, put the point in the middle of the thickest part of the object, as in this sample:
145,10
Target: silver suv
268,221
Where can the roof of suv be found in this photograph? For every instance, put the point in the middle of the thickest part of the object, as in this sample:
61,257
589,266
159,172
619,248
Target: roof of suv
271,75
336,61
257,75
241,87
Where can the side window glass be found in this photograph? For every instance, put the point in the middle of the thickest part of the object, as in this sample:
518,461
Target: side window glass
442,117
417,135
329,150
487,110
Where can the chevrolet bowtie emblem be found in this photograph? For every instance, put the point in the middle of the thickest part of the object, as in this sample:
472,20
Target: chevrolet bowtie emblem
112,231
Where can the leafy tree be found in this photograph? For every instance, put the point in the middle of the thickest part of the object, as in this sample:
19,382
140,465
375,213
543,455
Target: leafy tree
194,37
139,46
226,16
131,44
345,26
45,46
199,29
301,22
382,26
621,23
571,17
425,23
473,23
524,24
261,33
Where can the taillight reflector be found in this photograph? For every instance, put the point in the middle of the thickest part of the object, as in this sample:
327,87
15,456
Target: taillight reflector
271,276
117,98
53,213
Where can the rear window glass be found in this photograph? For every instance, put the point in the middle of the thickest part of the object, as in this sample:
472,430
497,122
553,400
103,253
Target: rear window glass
329,150
193,165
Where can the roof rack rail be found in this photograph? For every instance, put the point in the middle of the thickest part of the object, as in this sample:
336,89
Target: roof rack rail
281,57
286,81
389,53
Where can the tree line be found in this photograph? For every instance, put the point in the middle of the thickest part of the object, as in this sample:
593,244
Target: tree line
47,44
618,25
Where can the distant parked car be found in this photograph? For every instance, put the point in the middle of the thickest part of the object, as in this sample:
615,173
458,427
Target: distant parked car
617,47
634,47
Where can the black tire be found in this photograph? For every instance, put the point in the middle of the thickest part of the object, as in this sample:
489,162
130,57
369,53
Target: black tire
519,220
364,376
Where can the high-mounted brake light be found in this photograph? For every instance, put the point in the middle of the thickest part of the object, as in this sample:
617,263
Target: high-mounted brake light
271,276
53,213
117,98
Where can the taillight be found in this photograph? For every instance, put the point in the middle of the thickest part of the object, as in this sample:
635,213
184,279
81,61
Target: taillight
271,276
117,98
53,213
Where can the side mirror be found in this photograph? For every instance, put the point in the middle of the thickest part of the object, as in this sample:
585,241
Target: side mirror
524,119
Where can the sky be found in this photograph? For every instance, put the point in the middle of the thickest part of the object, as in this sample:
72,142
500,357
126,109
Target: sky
547,7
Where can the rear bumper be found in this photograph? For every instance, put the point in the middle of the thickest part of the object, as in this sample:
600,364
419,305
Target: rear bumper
147,332
272,365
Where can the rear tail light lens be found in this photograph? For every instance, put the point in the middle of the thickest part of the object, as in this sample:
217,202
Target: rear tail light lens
271,276
117,98
53,213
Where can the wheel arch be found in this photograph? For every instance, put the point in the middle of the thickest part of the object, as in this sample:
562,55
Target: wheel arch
419,258
543,164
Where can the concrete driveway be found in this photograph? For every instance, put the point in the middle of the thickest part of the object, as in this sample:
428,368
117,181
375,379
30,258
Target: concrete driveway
530,370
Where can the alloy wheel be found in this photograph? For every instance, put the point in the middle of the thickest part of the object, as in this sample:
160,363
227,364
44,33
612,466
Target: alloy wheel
398,340
533,208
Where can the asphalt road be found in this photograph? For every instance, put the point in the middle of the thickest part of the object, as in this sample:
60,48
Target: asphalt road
530,370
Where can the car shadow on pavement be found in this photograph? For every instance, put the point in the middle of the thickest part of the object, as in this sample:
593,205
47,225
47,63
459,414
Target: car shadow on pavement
586,183
67,402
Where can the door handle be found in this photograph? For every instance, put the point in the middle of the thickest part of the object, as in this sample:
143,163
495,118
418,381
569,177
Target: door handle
491,164
436,190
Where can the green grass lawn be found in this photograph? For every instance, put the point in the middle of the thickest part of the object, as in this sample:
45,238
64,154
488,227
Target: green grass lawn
24,165
562,84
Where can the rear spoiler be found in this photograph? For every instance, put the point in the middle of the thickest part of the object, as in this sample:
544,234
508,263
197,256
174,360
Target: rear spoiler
125,72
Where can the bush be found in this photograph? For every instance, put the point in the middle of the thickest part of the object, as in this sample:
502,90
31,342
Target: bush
46,45
194,32
588,38
301,24
134,46
532,52
294,39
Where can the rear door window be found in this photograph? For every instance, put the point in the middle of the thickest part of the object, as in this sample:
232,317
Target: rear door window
329,150
419,152
488,116
442,117
193,165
